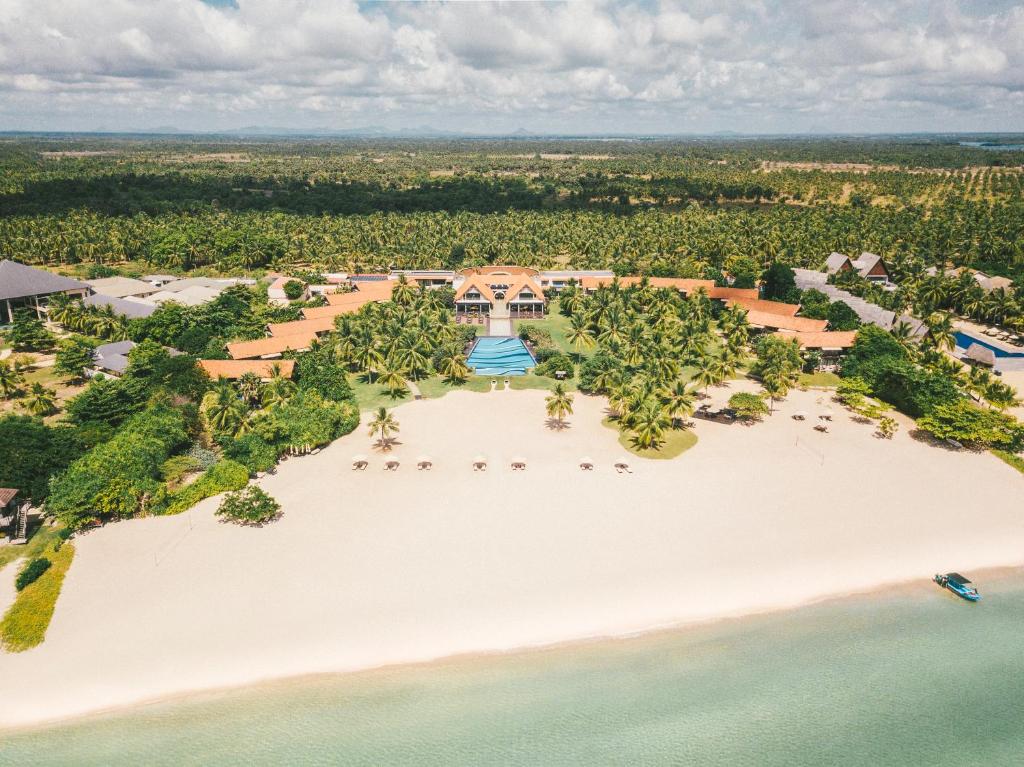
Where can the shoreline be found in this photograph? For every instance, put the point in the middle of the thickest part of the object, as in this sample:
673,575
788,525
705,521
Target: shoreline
374,570
654,633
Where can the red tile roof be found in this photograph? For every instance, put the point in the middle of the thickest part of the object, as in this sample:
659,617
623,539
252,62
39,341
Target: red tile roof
238,368
782,322
273,345
758,305
828,339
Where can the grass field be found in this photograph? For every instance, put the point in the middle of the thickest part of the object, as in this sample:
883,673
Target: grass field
43,538
820,379
677,442
25,623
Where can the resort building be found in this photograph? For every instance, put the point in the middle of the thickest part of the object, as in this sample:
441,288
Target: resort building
425,278
13,517
985,282
25,287
760,305
499,292
832,345
273,347
771,321
868,265
111,359
233,369
132,308
122,287
867,312
559,279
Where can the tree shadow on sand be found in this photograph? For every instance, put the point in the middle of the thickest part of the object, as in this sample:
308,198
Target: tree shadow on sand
386,444
555,425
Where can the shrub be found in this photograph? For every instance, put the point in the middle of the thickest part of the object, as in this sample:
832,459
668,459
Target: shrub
252,451
841,317
553,363
118,476
748,407
293,289
31,572
204,458
318,371
537,336
224,476
251,506
966,422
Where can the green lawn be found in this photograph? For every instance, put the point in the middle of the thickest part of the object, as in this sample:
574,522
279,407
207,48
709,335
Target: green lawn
531,381
677,442
370,396
819,379
25,623
1016,461
436,386
43,538
556,325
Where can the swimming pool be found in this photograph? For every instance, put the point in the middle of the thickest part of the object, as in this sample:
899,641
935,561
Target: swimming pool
964,341
500,356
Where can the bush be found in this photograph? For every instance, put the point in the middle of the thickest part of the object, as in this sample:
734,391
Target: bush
118,476
748,407
176,467
293,290
968,423
553,363
222,477
251,506
841,317
252,451
537,336
318,371
31,572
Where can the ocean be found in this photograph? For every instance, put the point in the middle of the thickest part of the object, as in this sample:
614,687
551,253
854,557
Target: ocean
911,677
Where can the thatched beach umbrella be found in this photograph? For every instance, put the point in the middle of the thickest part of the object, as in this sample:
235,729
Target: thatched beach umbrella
391,465
424,462
587,463
479,463
622,465
981,354
519,463
359,462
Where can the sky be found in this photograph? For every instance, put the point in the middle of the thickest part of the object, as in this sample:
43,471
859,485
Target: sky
649,67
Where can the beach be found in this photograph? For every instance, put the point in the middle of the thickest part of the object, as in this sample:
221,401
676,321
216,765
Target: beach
376,568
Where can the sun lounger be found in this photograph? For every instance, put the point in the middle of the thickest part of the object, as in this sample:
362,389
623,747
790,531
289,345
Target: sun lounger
391,466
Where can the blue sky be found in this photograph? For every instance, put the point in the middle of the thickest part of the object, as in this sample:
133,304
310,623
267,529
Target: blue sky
602,67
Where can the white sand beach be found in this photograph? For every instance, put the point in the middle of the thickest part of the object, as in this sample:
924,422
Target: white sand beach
374,568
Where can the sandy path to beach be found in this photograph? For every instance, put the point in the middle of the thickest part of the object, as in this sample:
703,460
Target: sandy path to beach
372,568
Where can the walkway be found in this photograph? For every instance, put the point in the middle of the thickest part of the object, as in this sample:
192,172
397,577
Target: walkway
499,322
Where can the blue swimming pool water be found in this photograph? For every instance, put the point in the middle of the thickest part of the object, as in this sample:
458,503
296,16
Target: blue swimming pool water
500,356
964,341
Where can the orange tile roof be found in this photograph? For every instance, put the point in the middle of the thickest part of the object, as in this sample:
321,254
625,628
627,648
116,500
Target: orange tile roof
319,325
377,290
750,294
474,281
782,322
238,368
499,270
521,283
273,345
827,339
758,305
319,312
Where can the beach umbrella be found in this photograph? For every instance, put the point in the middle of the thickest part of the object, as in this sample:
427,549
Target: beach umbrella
586,462
424,459
621,464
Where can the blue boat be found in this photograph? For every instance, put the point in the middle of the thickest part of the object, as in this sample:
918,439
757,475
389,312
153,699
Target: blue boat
959,585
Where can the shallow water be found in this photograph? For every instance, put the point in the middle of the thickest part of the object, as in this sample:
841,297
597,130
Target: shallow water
915,678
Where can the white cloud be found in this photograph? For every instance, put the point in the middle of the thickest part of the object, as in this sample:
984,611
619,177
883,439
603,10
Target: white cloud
602,66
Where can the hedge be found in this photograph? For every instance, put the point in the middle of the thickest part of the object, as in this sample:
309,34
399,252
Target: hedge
220,478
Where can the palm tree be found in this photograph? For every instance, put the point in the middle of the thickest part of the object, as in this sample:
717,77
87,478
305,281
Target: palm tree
579,335
250,387
10,379
278,389
648,427
40,400
677,402
390,376
1000,395
558,404
403,293
383,423
453,367
940,333
708,374
222,408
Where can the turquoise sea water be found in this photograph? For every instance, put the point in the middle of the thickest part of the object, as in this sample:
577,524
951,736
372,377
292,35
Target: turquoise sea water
918,678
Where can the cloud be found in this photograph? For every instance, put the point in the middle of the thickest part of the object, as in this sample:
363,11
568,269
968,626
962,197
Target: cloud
584,67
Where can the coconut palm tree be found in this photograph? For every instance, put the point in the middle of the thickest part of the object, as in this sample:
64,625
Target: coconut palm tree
390,377
10,379
222,408
648,425
278,390
677,401
453,367
579,335
39,400
385,424
940,332
558,404
250,387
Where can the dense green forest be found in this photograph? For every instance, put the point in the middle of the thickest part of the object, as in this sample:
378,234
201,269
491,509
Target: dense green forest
679,207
